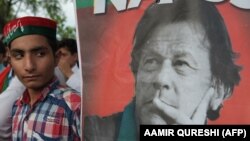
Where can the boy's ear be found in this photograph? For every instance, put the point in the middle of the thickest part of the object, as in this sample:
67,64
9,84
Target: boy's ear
219,95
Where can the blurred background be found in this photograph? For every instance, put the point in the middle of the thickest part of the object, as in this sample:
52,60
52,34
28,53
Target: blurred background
60,10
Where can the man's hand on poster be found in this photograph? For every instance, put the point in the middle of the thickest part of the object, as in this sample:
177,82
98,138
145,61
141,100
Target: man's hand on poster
178,117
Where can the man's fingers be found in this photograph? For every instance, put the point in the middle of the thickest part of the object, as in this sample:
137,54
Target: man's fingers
169,112
200,114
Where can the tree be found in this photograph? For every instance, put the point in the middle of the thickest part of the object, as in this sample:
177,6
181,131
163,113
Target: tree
10,9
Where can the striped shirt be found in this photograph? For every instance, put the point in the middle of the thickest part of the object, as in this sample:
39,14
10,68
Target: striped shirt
54,116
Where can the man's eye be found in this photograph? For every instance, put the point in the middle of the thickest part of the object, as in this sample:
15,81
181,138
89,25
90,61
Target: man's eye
183,67
151,64
180,63
151,61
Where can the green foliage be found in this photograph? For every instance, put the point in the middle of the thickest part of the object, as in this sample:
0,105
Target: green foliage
9,9
6,12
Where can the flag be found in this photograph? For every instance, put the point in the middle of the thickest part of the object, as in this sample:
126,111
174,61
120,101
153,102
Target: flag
4,78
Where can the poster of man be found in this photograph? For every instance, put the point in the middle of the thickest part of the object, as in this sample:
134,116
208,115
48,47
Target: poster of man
184,62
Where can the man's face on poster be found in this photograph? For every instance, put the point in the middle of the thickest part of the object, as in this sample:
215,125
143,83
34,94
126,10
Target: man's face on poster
174,74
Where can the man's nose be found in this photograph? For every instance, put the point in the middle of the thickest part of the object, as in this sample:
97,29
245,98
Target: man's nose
29,63
164,78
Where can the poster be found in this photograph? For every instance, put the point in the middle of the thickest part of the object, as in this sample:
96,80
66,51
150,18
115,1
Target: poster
106,39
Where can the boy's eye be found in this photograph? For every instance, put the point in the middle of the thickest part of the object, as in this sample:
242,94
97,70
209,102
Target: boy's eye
17,55
40,53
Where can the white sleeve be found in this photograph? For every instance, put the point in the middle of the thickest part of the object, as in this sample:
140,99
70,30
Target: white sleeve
15,84
7,99
74,81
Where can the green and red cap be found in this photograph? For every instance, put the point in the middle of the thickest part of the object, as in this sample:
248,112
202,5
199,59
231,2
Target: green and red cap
27,26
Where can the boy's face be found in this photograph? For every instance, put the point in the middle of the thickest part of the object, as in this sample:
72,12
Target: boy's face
67,57
32,60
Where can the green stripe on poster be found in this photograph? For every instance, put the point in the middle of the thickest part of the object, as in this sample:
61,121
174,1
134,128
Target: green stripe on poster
87,3
84,3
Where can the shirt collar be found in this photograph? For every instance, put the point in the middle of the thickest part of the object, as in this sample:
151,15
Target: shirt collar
25,99
75,68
